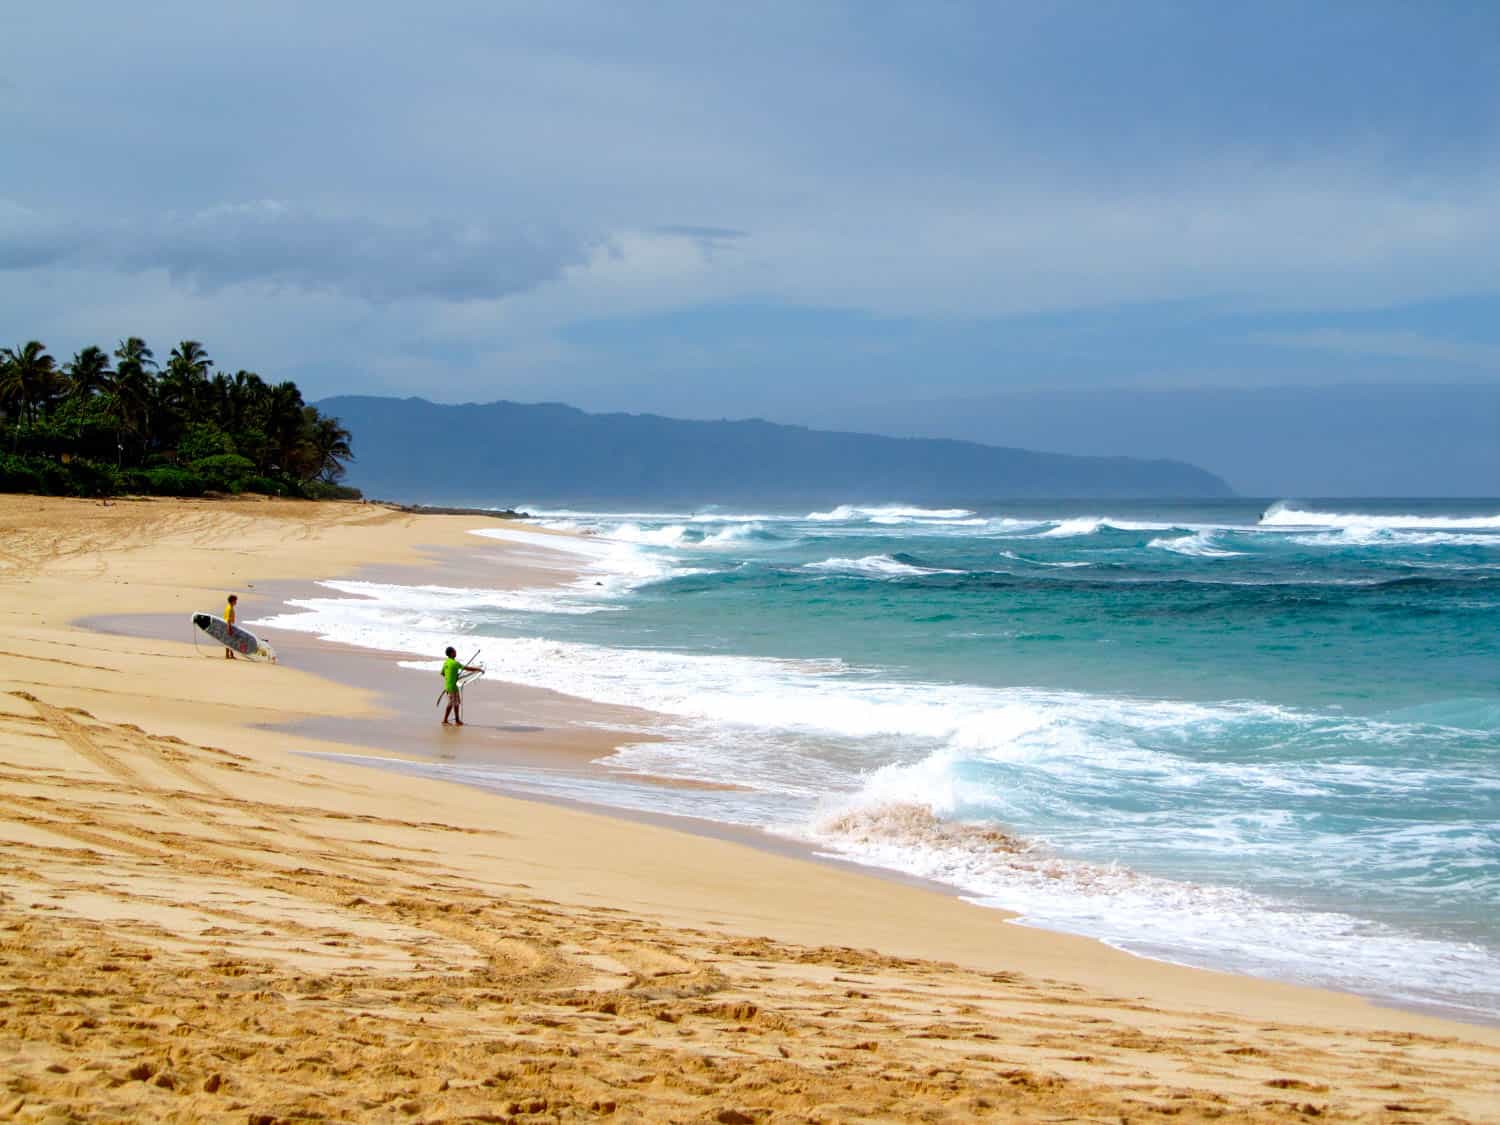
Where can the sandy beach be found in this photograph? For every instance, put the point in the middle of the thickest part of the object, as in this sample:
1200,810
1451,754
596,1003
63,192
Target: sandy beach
203,921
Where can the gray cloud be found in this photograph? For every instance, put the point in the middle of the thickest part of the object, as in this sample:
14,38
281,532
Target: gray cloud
900,160
706,234
455,190
273,244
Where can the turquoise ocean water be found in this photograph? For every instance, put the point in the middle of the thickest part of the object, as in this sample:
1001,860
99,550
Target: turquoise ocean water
1263,737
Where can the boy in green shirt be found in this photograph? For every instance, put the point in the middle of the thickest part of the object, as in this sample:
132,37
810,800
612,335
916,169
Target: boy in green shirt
451,669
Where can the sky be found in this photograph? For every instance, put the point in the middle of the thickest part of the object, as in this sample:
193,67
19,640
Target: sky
800,211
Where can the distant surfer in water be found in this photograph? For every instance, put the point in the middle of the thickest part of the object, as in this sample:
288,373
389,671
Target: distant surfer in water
229,618
451,669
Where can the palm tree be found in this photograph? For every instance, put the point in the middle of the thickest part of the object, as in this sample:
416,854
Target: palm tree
189,409
8,391
182,390
186,374
133,350
189,357
329,443
88,373
285,424
131,391
245,401
218,393
28,375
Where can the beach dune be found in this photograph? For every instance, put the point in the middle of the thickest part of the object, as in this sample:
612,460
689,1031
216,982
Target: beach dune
201,921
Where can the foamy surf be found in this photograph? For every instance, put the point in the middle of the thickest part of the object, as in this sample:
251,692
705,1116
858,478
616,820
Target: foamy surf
875,566
607,566
445,601
1092,525
1059,564
1287,516
1199,545
1192,924
889,513
1369,535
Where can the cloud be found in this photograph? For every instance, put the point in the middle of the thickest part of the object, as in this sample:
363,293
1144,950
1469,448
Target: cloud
702,234
271,243
934,162
452,197
29,240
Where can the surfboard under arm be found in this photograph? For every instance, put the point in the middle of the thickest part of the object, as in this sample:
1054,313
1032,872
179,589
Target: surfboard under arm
233,637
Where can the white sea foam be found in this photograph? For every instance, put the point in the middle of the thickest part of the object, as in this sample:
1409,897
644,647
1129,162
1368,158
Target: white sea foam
1091,525
1068,529
1359,535
696,533
733,533
670,535
1186,922
740,517
607,566
536,513
1062,563
1007,525
752,692
1281,515
1198,545
447,601
890,513
875,566
703,516
899,521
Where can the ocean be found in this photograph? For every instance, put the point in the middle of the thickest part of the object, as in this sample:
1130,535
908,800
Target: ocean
1262,737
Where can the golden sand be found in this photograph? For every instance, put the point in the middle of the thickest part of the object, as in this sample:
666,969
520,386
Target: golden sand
198,922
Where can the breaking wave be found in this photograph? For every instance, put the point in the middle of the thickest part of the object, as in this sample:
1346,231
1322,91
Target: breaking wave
1283,515
1199,545
876,566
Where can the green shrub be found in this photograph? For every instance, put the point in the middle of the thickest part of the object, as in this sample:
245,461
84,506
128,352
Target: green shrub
224,472
266,486
92,478
322,490
167,482
19,474
202,440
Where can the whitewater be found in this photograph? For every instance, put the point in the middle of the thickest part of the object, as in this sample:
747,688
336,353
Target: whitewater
1253,737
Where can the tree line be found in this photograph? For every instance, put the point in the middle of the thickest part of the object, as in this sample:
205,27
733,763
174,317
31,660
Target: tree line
103,424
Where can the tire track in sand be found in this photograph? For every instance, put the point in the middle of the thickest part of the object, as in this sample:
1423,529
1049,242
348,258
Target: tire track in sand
514,962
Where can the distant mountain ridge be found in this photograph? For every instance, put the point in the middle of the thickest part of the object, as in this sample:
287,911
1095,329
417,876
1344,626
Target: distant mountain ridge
504,452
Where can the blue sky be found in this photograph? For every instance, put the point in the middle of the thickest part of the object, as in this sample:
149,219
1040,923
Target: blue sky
775,209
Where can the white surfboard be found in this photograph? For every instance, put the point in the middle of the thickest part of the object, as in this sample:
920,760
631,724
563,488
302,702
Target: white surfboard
240,641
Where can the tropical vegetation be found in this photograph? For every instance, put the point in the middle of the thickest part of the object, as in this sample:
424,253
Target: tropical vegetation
104,424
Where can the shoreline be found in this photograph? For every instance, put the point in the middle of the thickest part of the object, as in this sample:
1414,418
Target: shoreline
150,809
561,734
408,749
462,563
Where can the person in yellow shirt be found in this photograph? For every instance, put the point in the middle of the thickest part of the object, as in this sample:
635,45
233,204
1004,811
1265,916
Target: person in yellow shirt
229,617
